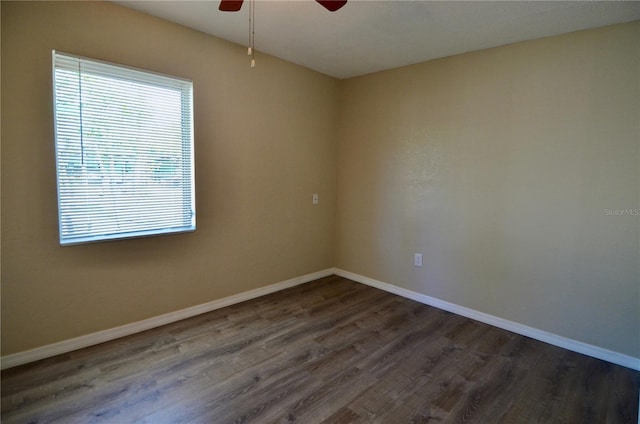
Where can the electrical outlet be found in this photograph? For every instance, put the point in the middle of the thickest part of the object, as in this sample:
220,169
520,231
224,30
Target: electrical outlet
417,259
315,199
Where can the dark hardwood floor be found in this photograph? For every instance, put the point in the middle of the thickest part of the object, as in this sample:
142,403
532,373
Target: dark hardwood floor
330,351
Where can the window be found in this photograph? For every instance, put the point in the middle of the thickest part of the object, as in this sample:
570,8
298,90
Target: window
124,151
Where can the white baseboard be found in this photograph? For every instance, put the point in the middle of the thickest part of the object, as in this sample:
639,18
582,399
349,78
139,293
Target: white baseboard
65,346
534,333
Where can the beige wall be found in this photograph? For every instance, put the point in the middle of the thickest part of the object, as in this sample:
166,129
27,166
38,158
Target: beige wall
265,140
499,166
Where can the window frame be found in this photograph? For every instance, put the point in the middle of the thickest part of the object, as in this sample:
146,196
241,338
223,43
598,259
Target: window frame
136,77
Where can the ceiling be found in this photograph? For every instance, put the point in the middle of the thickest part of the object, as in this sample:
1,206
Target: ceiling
370,36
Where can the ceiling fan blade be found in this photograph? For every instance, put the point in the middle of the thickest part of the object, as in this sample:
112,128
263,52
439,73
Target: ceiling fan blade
230,5
332,5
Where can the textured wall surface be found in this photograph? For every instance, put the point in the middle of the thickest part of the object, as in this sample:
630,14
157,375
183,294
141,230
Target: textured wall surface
508,169
264,141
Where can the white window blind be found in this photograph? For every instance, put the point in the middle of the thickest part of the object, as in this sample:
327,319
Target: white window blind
124,151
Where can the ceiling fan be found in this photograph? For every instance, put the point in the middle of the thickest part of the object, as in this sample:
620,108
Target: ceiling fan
235,5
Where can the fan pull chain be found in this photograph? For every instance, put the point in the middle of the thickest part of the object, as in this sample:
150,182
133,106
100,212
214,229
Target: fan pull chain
252,34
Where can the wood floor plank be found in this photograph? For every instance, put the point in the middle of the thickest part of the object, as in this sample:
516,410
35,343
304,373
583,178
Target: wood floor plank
331,351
